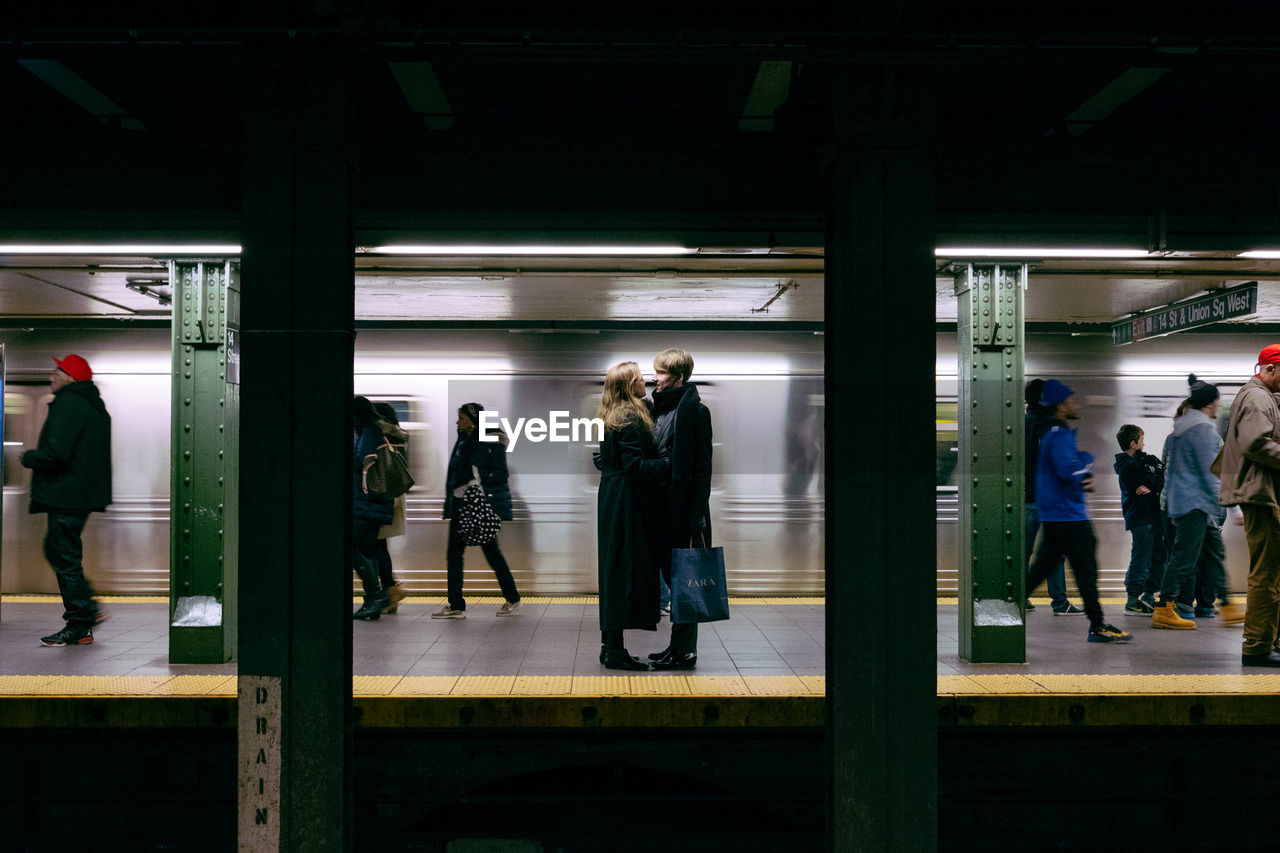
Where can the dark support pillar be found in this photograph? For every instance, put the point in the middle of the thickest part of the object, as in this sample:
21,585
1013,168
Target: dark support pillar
297,331
880,539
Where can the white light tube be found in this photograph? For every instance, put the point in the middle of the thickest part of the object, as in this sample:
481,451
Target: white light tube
1036,252
117,249
524,250
1268,254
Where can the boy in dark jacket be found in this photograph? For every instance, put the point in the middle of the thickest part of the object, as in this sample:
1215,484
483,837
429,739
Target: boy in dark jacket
1141,481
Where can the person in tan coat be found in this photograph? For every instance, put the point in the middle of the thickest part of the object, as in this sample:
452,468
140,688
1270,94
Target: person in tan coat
1250,479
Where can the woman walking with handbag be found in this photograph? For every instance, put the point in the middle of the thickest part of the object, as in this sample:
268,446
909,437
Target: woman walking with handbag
368,512
470,460
629,507
390,426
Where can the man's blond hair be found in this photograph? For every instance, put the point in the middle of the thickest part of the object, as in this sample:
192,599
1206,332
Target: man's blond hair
677,362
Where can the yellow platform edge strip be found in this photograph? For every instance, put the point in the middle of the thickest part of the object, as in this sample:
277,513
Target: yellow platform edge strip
1043,685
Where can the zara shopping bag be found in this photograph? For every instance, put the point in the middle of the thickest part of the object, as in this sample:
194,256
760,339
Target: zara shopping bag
698,590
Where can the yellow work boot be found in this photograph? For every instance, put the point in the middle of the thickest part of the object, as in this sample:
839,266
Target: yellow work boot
1166,616
394,594
1232,614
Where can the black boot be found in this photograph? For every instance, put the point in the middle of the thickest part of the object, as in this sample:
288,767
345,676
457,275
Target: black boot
372,607
621,659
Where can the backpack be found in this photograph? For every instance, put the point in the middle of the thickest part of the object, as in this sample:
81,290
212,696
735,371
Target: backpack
386,471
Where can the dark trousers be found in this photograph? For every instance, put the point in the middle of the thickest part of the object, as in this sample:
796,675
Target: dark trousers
64,551
364,557
453,566
1197,542
1075,541
384,565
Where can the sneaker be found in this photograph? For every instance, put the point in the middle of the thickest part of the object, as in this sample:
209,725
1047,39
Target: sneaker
506,609
1168,616
1029,606
99,616
1138,607
1108,634
1148,599
69,636
448,612
1232,614
1204,612
1186,611
1069,610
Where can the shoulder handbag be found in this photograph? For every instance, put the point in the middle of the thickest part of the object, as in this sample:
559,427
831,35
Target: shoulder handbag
698,590
386,471
478,522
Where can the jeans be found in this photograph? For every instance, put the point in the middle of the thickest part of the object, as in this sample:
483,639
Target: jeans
1075,541
1196,538
1146,561
1057,580
364,558
453,568
64,551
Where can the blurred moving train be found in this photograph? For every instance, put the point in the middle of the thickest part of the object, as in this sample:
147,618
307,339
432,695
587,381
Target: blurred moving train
1142,384
764,389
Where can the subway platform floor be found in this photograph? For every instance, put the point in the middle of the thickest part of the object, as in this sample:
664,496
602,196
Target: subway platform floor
769,646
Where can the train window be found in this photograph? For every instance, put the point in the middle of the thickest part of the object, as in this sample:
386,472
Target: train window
946,424
18,438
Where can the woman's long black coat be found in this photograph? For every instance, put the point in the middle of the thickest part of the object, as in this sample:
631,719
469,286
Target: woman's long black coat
630,532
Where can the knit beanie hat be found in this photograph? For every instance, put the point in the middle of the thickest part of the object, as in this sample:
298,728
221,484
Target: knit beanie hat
1054,393
472,411
1202,393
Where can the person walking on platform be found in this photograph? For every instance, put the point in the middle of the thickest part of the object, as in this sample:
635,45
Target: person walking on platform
682,431
1250,479
70,478
390,426
1194,508
629,505
1141,483
1062,477
1035,425
368,512
488,459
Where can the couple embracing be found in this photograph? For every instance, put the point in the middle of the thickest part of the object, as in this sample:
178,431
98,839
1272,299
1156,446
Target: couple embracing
655,488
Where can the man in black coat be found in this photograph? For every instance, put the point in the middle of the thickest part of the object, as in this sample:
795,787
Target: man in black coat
71,477
682,428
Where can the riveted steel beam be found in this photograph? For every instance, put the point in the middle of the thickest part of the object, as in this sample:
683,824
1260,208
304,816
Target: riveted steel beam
989,391
204,470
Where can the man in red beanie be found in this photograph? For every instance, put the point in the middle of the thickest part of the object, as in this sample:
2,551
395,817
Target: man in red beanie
1250,479
71,477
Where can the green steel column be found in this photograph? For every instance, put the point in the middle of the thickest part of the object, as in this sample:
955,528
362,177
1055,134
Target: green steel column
989,383
204,470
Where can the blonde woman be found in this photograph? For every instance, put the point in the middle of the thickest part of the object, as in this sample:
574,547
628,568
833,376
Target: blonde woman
630,532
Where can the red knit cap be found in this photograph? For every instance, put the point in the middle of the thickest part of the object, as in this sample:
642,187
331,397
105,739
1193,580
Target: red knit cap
75,367
1270,354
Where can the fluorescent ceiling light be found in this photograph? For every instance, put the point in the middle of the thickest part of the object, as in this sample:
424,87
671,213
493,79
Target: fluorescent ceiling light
1261,253
1037,252
118,249
491,249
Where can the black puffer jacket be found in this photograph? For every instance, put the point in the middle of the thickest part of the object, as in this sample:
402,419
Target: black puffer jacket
490,458
71,464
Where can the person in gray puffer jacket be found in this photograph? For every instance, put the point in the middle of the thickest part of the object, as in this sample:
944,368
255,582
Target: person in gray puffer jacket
1192,490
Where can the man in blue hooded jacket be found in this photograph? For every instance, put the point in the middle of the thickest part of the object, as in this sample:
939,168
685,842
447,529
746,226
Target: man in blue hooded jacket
1063,475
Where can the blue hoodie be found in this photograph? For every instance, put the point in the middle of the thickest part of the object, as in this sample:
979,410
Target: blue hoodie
1060,475
1189,484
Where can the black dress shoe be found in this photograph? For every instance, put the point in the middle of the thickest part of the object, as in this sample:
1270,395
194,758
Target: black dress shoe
665,653
621,659
1271,659
602,650
686,661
